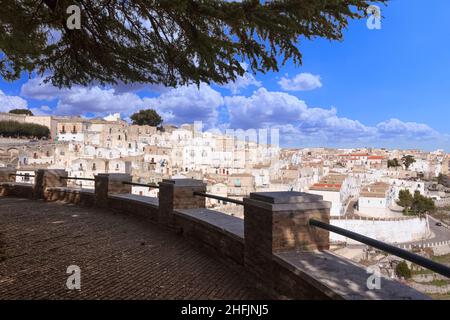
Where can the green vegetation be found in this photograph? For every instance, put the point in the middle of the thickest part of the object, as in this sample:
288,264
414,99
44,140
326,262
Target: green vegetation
408,161
402,270
439,283
18,130
147,117
421,272
22,111
394,163
169,42
415,205
445,259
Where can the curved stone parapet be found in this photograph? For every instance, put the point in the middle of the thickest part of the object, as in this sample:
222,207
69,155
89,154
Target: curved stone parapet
274,244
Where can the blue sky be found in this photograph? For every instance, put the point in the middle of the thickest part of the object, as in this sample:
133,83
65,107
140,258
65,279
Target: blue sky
382,88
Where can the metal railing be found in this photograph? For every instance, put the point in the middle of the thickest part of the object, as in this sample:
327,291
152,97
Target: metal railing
76,178
141,184
22,175
212,196
401,253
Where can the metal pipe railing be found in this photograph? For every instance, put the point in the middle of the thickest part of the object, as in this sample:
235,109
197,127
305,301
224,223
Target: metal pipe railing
401,253
212,196
141,184
76,178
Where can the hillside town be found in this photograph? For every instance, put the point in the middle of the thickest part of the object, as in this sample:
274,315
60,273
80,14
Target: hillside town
364,185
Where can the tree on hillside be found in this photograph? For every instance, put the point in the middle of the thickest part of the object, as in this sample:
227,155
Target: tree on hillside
405,199
147,117
23,130
403,271
22,111
394,163
415,205
169,42
408,161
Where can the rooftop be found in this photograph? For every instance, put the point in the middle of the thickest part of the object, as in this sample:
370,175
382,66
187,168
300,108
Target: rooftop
375,190
332,182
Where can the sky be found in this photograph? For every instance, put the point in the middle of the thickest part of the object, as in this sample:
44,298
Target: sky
387,87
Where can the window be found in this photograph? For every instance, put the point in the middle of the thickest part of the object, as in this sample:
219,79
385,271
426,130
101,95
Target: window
94,167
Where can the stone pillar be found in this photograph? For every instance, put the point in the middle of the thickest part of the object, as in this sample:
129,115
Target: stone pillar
179,194
47,178
110,183
278,221
6,175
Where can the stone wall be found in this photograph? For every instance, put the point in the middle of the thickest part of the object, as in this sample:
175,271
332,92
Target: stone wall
135,208
218,233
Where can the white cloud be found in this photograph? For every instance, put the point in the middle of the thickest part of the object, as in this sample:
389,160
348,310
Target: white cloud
188,104
36,89
11,102
80,100
42,111
242,82
298,123
95,100
176,105
267,108
395,127
301,82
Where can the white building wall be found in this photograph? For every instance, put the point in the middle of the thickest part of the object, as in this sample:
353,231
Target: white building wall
144,191
397,231
335,199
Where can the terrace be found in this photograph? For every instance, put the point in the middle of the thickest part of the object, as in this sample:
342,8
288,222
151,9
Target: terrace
136,247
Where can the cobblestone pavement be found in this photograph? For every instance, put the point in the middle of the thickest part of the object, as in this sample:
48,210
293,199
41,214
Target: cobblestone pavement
120,257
